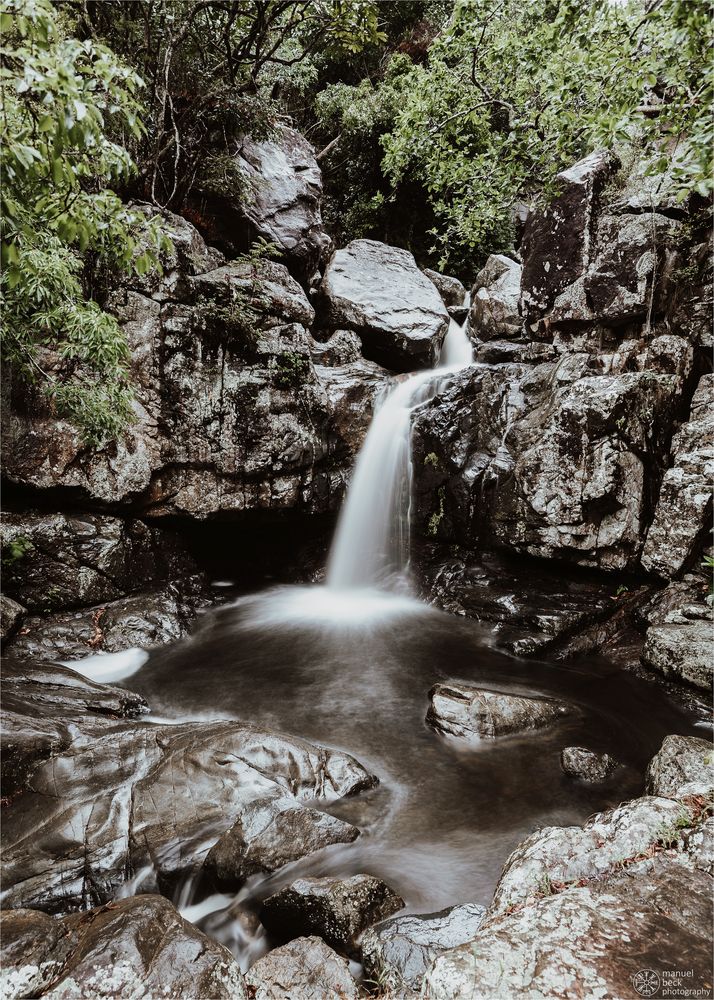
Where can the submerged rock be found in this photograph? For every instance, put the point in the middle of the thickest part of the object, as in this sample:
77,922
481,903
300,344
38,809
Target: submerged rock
588,941
303,969
136,947
494,300
579,762
681,761
398,952
379,292
336,909
471,713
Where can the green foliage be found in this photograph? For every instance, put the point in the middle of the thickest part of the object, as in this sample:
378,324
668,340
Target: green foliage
291,370
58,94
15,549
438,516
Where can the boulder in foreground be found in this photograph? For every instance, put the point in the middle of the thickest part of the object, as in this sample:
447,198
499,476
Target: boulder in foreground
304,969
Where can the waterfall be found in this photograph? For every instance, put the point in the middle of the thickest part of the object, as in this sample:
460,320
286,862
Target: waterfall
371,544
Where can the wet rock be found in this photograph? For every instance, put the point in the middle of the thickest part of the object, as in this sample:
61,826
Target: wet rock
450,289
681,761
338,910
459,314
501,352
562,855
471,713
148,619
133,948
269,834
578,762
303,969
11,614
379,292
398,952
343,348
683,651
683,511
587,941
116,797
494,300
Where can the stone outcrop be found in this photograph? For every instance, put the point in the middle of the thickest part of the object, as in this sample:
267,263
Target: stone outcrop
471,713
681,648
682,762
303,969
231,412
586,765
379,292
495,296
136,947
337,910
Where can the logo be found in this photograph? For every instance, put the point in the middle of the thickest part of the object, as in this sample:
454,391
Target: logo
646,982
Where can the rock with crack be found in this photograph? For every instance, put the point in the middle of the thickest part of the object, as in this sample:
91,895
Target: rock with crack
269,834
682,761
587,941
494,300
471,713
303,969
398,952
379,292
137,947
338,910
116,797
587,765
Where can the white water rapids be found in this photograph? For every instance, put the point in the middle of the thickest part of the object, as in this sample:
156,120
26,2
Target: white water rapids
371,545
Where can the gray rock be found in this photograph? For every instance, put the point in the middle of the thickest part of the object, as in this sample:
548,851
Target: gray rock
578,762
683,511
136,947
269,834
699,845
398,952
683,652
469,712
562,855
11,614
681,761
379,292
494,300
343,348
588,941
303,969
336,909
450,289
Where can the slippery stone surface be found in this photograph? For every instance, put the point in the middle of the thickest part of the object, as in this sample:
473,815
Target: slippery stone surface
11,615
379,292
681,761
579,762
471,713
231,413
494,300
303,969
683,511
588,941
450,289
270,834
398,952
116,797
338,910
137,947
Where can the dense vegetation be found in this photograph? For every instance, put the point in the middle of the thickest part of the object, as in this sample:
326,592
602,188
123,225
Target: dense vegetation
432,120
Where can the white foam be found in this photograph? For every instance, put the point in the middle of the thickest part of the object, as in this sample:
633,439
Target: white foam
324,605
107,668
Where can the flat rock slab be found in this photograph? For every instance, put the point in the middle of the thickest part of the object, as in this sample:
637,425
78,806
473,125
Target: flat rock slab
586,765
398,952
471,713
138,947
379,292
338,910
303,969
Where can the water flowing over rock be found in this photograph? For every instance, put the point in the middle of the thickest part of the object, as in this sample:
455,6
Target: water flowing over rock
379,292
136,947
468,712
579,762
303,969
398,952
338,910
494,300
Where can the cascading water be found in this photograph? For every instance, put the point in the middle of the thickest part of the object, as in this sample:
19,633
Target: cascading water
371,545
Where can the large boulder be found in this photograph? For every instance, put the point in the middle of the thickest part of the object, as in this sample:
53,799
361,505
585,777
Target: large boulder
450,289
338,910
681,761
471,713
231,413
379,292
684,507
494,300
136,947
398,952
303,969
682,648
